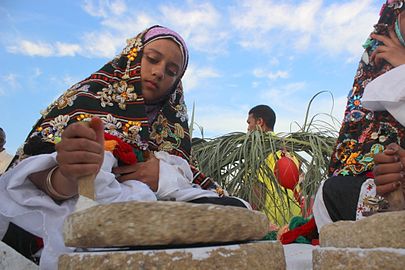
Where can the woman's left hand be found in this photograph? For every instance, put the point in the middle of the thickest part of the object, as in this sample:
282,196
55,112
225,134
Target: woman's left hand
391,51
146,172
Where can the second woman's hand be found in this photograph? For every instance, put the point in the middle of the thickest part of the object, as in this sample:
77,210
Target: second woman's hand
146,172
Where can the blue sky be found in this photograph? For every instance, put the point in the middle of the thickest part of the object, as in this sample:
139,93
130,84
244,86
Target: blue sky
242,53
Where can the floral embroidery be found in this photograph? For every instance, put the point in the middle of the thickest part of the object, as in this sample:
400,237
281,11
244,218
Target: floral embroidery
119,92
160,129
112,125
178,130
181,112
166,146
355,103
132,43
131,131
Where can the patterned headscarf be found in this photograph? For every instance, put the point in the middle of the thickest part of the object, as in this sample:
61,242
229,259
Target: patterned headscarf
364,133
114,94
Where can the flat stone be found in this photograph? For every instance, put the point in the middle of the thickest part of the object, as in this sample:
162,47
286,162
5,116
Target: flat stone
263,255
379,230
357,258
162,223
11,259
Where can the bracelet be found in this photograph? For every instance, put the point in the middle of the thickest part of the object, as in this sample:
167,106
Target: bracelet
51,189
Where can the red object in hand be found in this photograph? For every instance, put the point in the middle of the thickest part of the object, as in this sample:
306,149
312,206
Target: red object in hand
286,172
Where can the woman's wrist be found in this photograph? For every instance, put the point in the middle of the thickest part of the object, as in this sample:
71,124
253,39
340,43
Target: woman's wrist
57,193
62,185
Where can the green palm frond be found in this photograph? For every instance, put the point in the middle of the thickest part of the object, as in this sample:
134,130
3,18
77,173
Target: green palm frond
237,161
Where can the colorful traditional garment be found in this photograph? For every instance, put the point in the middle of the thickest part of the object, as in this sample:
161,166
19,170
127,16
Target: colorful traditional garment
364,133
347,194
114,94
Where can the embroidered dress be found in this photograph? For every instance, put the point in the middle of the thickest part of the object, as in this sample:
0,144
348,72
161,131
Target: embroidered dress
364,133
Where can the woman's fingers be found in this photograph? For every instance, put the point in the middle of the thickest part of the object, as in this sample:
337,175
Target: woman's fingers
383,158
388,168
389,178
383,189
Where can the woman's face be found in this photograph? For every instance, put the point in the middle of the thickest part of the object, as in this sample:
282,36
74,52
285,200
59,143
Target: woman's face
160,68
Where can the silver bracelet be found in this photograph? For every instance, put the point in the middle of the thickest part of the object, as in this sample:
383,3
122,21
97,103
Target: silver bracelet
51,190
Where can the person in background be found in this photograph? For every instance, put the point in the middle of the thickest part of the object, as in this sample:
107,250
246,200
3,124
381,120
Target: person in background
283,206
5,158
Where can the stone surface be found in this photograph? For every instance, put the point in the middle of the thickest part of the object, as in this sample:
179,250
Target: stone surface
162,223
11,259
263,255
357,258
379,230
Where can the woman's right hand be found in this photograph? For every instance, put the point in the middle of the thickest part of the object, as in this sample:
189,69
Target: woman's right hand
391,51
80,153
389,169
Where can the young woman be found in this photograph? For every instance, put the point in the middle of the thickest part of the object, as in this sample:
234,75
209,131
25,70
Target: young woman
366,133
136,143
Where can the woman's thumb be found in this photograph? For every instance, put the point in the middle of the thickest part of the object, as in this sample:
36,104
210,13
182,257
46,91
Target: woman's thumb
98,126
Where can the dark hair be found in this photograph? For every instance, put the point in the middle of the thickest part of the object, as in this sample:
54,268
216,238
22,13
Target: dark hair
2,138
266,113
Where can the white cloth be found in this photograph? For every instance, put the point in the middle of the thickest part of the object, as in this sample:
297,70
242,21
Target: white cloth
321,214
368,190
5,159
387,93
175,180
30,208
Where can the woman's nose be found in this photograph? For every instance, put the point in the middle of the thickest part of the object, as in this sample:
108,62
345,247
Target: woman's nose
158,72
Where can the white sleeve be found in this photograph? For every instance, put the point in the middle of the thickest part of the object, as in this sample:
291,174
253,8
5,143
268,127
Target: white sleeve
387,92
175,180
33,210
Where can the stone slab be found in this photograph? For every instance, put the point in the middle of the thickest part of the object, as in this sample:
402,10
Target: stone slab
11,259
379,230
262,255
357,258
162,223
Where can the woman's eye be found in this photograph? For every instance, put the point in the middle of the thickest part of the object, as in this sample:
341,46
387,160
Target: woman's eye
171,72
152,60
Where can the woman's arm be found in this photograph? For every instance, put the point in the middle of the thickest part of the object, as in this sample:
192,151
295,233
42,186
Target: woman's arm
80,153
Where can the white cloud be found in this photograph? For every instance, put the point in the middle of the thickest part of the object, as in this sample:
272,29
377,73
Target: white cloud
44,49
344,26
103,44
197,24
103,8
11,79
266,21
217,121
65,49
337,28
195,76
37,72
279,74
30,48
279,95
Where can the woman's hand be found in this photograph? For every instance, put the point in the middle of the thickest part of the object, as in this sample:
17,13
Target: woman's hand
391,51
146,172
389,169
80,153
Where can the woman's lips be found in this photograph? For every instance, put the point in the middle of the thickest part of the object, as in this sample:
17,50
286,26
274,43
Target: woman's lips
151,85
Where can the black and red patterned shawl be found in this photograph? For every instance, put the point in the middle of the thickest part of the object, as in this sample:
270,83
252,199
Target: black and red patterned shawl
114,94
